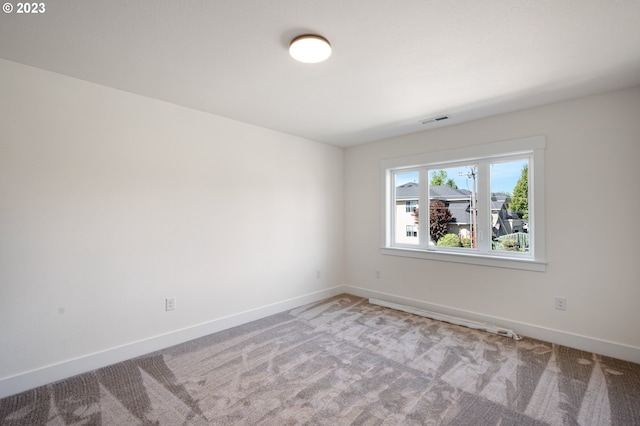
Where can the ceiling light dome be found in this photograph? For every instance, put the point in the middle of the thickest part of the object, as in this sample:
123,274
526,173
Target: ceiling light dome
310,49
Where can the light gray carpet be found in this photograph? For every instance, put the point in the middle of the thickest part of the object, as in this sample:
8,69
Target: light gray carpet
344,361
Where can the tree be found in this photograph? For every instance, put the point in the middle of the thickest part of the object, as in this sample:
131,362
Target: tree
520,200
439,219
440,178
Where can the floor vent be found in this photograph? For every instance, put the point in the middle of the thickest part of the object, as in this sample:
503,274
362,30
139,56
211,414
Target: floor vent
489,328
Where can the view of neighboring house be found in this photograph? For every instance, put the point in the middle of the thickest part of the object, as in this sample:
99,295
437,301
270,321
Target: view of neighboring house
503,220
406,231
459,203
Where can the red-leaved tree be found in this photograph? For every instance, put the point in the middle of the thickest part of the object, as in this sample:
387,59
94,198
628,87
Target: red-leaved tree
439,219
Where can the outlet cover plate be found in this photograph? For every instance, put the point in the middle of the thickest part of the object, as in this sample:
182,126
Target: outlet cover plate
170,303
561,303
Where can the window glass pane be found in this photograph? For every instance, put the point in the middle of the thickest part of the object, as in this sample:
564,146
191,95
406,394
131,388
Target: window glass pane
510,206
452,203
406,202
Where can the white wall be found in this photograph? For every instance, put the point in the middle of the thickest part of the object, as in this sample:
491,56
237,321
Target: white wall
593,234
110,202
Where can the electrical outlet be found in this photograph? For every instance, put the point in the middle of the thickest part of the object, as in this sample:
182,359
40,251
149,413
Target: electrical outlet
561,303
170,303
318,274
378,275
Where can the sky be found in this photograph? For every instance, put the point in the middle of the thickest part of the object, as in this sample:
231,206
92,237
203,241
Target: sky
504,176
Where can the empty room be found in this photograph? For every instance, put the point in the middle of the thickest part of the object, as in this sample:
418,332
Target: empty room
320,212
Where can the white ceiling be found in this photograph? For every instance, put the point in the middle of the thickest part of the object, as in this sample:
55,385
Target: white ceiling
394,63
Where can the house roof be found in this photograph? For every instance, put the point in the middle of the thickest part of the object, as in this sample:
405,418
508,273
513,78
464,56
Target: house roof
498,200
458,199
444,192
411,190
394,64
408,191
460,212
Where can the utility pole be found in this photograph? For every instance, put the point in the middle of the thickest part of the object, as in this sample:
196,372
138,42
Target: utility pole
471,174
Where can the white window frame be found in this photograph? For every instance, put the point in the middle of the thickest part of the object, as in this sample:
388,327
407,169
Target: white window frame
530,147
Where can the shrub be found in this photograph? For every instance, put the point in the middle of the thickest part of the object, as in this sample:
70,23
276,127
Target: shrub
465,242
510,244
449,240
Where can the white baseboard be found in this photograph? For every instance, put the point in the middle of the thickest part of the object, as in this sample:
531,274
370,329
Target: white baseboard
585,343
41,376
52,373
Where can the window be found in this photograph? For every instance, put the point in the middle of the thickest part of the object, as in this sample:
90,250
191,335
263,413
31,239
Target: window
410,206
480,205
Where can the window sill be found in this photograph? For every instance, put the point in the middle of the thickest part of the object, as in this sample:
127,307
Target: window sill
472,259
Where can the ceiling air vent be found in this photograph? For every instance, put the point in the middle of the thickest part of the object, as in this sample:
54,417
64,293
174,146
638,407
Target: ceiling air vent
434,119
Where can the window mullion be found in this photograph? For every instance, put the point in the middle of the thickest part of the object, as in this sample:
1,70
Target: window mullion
390,231
423,205
483,207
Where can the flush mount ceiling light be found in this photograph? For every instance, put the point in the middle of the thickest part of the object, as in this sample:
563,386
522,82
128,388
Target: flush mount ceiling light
310,49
